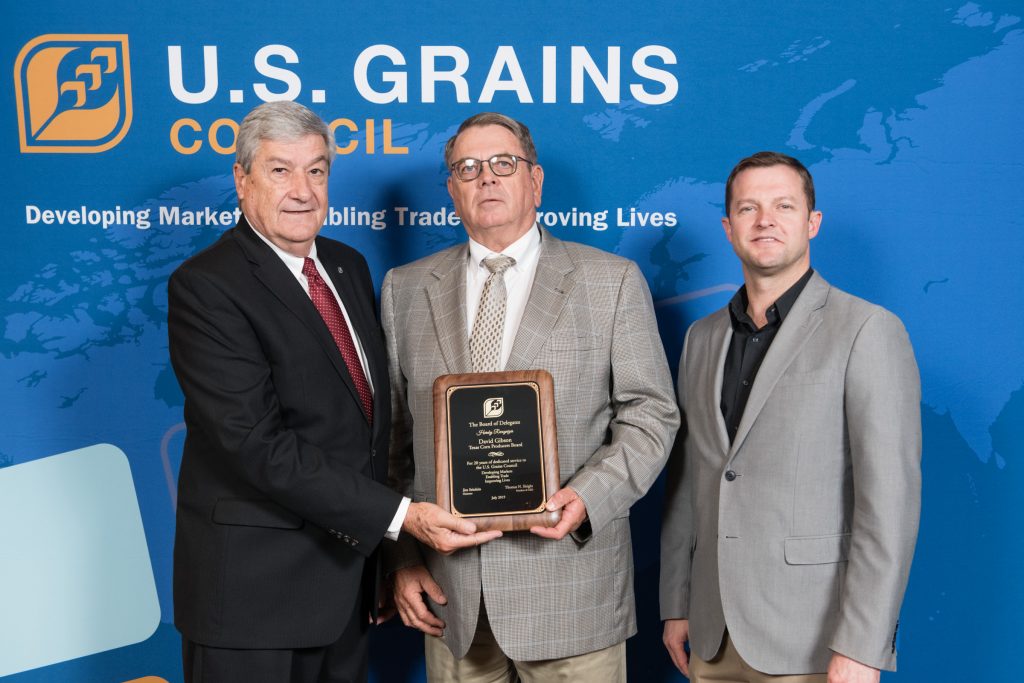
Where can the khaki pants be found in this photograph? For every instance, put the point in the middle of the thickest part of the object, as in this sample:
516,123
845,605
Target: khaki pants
728,667
486,663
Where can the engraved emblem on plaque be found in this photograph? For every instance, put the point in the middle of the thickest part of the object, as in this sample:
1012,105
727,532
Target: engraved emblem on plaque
494,407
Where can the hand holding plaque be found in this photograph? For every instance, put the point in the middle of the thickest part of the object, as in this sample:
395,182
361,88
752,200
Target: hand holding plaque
496,451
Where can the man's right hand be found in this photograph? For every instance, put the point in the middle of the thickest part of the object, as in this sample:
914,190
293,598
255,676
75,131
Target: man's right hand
443,531
677,632
410,585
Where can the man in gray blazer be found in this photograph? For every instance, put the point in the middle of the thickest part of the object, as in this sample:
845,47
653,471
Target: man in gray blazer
551,602
794,487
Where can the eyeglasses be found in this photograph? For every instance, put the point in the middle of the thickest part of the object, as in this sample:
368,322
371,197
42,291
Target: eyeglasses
501,165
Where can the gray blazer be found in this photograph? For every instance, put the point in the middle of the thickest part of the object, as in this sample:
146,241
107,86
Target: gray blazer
590,323
798,537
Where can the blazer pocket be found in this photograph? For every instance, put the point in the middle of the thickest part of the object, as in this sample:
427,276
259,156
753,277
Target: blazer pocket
817,549
261,513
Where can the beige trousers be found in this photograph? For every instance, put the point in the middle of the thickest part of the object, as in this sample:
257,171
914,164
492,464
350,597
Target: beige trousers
486,663
728,667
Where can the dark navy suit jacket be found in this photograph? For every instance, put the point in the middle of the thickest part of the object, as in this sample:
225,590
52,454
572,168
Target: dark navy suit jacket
281,505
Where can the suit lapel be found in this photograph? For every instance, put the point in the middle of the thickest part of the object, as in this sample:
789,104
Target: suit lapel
796,329
275,276
552,285
269,270
721,334
447,297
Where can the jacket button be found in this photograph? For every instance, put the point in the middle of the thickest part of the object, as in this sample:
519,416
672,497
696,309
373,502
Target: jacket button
730,475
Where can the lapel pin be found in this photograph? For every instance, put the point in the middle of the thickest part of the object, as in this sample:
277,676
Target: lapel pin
340,270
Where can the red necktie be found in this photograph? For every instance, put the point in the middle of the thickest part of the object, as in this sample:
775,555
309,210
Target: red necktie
330,311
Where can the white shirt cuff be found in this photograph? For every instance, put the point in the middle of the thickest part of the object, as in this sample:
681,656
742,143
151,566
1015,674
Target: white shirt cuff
399,519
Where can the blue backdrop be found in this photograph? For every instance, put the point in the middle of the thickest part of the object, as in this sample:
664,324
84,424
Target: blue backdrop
117,127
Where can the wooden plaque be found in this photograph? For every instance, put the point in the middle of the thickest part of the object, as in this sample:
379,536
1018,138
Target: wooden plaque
496,448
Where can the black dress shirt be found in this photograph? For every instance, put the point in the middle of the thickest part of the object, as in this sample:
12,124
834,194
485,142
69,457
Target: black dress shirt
748,347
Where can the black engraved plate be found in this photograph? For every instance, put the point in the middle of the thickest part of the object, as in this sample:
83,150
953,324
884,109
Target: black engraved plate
495,449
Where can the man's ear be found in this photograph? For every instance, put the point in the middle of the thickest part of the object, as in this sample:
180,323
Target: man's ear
240,176
813,224
727,226
537,178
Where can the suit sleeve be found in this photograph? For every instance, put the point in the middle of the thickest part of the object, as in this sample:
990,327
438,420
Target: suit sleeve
677,524
883,415
232,402
645,417
405,552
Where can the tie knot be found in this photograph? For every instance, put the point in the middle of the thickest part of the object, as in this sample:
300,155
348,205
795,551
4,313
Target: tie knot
498,264
309,269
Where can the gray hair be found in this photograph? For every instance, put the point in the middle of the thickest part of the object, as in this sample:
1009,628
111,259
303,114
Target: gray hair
490,118
279,121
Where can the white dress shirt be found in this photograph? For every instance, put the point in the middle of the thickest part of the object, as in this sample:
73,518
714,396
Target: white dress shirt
518,283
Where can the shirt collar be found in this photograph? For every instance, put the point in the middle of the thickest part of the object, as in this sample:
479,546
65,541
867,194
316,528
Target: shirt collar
776,313
293,262
520,250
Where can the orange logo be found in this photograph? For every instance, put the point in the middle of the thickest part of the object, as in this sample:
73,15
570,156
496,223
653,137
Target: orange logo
74,92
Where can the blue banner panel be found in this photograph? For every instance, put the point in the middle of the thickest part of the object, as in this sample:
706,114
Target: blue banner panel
118,128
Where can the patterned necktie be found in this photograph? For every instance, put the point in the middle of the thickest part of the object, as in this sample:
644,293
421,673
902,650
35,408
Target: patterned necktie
489,326
330,311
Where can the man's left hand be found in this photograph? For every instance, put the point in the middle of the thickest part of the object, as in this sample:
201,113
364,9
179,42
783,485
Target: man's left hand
842,669
573,514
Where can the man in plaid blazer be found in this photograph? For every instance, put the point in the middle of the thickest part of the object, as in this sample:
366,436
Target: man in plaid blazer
553,601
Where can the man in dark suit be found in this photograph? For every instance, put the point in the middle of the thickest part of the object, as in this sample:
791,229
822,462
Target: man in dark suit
281,502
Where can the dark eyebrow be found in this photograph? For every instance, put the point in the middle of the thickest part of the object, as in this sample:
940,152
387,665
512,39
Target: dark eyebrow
740,200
